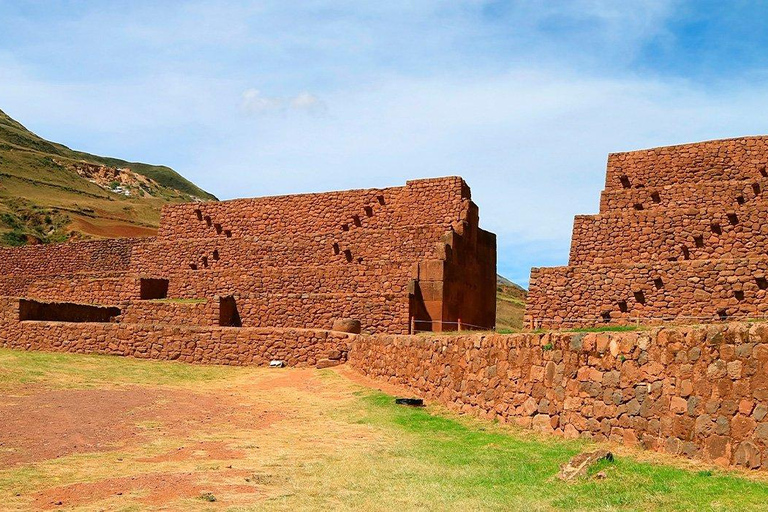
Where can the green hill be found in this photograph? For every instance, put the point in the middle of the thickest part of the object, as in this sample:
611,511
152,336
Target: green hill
49,192
510,304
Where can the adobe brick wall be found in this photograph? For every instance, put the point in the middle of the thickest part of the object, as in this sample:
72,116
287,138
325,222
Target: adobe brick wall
697,391
692,215
209,345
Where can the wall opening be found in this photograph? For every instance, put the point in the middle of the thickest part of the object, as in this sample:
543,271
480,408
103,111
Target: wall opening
623,306
606,316
348,255
208,221
356,221
153,289
762,283
716,229
380,199
733,218
740,200
205,261
624,179
639,296
368,211
763,172
756,189
739,294
216,254
193,266
658,283
655,197
638,206
218,228
686,253
722,314
228,314
336,248
345,227
699,241
65,312
228,233
199,214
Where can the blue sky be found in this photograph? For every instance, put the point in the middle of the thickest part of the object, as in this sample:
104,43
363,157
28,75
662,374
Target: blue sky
523,99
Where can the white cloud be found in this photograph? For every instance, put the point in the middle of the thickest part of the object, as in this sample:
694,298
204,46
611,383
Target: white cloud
254,102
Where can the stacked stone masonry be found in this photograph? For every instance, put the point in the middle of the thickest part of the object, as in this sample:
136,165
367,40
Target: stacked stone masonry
392,258
697,391
681,235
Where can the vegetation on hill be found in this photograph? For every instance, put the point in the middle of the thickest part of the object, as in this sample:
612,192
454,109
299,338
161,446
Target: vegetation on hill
51,193
510,304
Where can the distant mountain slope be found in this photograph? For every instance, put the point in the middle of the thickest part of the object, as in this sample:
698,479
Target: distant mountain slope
510,304
49,192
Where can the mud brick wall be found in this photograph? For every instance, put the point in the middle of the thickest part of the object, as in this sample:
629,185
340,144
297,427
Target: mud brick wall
91,256
700,392
661,210
432,201
164,312
586,295
209,345
669,234
712,161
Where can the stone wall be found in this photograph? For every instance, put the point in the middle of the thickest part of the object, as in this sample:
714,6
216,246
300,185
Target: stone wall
289,261
694,391
679,236
210,345
91,256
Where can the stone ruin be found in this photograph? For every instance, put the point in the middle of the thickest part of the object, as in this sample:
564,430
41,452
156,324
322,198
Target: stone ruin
681,236
396,260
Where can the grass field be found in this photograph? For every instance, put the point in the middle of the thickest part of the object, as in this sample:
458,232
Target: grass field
106,433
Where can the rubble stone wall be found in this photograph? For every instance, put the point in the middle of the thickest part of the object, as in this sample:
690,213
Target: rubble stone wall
681,235
210,345
698,391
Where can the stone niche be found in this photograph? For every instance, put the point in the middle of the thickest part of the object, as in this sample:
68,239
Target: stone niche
65,312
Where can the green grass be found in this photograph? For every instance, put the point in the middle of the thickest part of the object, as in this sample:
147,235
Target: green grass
67,370
473,465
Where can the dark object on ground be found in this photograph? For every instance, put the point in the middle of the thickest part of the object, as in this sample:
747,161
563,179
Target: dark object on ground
413,402
579,465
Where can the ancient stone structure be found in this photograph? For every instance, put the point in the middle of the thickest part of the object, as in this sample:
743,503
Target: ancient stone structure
238,272
681,235
696,391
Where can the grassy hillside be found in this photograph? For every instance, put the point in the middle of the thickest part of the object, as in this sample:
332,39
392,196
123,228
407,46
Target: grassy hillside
510,304
49,192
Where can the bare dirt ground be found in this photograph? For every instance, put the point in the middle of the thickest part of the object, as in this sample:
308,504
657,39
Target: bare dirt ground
101,445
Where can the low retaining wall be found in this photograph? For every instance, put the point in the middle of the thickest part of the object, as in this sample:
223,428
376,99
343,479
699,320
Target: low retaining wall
699,391
213,345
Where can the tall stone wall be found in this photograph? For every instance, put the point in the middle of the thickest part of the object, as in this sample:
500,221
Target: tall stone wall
391,258
679,236
695,391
